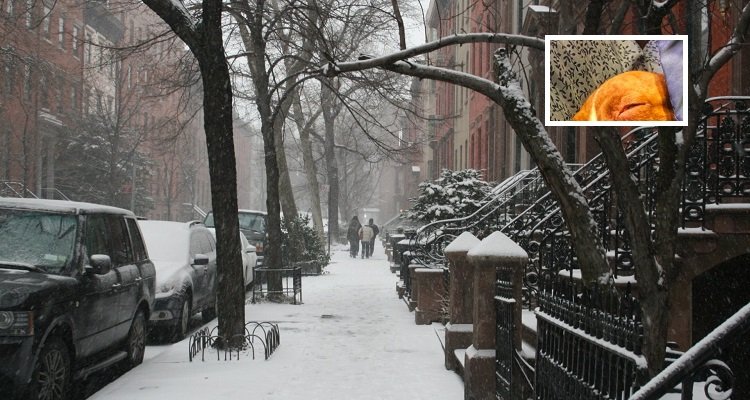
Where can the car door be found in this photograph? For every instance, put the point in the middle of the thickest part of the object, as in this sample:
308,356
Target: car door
199,272
147,272
94,311
123,262
212,280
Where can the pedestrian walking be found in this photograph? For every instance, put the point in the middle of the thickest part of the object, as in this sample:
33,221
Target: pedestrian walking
352,235
375,232
366,235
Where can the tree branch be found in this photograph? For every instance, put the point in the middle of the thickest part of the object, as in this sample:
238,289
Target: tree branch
727,52
377,62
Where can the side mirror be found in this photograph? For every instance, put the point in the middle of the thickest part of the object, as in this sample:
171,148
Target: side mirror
100,264
200,259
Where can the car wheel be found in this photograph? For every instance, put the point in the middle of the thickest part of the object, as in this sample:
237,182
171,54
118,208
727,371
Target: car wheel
136,342
209,313
181,329
51,380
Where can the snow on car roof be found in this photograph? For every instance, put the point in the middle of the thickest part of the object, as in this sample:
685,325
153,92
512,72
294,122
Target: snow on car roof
60,206
166,240
252,211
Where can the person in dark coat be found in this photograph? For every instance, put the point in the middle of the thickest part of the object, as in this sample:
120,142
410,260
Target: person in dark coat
375,232
352,235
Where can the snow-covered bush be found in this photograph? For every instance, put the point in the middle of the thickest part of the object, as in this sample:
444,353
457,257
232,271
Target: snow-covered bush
314,247
454,194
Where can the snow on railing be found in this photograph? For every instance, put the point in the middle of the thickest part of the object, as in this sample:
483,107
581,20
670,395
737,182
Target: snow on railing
683,369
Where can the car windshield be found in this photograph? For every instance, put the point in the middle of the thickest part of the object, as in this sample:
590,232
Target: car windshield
248,221
254,222
40,239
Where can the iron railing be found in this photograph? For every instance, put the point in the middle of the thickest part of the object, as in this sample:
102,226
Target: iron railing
291,283
431,239
15,189
588,342
698,362
265,334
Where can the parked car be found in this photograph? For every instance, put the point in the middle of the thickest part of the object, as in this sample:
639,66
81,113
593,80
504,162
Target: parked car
253,225
76,290
249,258
184,254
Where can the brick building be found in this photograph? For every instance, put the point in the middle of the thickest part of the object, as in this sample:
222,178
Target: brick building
68,66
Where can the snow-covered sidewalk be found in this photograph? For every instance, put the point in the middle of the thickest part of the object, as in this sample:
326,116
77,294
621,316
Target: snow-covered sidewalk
366,347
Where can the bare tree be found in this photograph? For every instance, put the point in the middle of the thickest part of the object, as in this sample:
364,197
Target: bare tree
202,32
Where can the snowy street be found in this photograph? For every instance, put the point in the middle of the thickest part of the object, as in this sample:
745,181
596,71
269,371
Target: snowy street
353,338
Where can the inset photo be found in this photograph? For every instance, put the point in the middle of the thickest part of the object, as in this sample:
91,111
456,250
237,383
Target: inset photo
615,80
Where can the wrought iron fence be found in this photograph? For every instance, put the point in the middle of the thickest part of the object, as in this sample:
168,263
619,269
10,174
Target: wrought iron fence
588,343
697,364
504,339
265,334
291,283
718,165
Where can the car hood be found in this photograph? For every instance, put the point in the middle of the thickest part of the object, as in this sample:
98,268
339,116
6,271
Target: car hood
167,270
24,290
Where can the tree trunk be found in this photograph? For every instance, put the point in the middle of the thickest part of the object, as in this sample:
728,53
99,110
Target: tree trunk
311,171
217,103
286,193
327,98
206,43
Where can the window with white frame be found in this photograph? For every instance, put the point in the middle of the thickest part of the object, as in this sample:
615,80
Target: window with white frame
61,32
27,82
59,94
46,17
74,42
9,7
29,12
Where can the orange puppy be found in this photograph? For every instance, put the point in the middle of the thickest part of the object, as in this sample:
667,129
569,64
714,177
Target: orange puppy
629,96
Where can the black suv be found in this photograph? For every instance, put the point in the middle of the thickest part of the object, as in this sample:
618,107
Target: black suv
76,290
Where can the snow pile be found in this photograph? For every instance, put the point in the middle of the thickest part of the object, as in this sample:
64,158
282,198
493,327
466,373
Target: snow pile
462,244
497,245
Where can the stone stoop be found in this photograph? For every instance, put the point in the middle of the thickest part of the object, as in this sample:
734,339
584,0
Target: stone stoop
394,268
431,294
458,338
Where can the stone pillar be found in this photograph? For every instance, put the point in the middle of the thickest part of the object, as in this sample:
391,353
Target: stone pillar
461,297
495,251
431,293
412,286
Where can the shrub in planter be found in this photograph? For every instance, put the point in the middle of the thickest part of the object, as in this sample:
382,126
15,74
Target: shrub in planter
312,248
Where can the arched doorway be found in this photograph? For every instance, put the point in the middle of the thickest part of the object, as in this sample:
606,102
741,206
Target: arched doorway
717,294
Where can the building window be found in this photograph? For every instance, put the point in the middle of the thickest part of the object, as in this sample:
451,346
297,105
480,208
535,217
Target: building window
43,92
86,102
73,97
27,82
9,74
29,12
61,32
9,7
46,17
87,49
74,42
59,94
